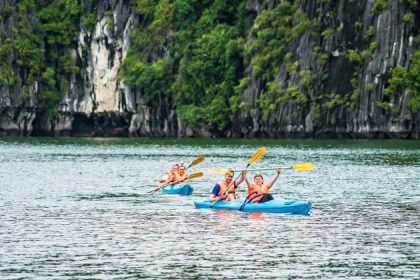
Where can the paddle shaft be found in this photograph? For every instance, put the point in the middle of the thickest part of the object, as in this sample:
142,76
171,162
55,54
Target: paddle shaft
260,169
189,177
170,183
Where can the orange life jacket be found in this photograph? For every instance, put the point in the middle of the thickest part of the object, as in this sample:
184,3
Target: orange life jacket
256,192
223,187
171,177
179,177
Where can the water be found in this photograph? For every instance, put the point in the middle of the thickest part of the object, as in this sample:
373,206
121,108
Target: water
78,209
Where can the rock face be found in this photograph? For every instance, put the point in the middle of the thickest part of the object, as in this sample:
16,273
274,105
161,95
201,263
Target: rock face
98,103
394,41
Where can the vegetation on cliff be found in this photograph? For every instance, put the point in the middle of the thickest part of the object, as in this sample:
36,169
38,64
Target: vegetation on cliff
202,55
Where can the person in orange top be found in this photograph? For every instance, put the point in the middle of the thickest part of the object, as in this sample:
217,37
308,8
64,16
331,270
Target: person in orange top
220,190
171,176
258,192
181,176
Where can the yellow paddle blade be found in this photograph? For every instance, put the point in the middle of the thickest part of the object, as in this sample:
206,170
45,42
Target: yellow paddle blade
306,166
258,154
197,161
195,175
217,171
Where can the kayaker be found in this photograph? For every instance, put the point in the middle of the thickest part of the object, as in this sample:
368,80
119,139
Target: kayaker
181,176
219,190
171,176
258,192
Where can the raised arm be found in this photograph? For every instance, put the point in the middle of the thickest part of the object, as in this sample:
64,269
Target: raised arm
239,181
248,183
270,184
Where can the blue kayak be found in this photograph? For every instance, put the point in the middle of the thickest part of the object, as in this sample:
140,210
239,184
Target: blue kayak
182,189
272,206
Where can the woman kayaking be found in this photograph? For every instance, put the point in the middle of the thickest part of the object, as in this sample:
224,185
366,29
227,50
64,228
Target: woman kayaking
258,192
171,175
223,190
176,175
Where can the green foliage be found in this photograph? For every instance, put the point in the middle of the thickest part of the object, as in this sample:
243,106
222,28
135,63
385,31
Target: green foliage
8,76
152,78
191,52
8,10
89,21
59,21
327,32
406,79
275,96
408,17
273,32
146,7
109,20
398,82
412,3
354,56
358,25
413,83
386,106
206,49
307,78
38,49
379,6
370,31
334,100
270,36
48,96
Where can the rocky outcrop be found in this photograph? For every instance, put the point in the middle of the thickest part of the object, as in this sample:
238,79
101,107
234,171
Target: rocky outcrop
394,47
98,103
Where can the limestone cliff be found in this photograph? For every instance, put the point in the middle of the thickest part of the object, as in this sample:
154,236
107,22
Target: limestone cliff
334,72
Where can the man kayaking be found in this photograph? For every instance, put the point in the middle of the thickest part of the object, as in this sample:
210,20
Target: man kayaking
221,191
182,176
258,192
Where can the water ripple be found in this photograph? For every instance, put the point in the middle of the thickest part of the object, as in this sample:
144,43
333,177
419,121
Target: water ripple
80,209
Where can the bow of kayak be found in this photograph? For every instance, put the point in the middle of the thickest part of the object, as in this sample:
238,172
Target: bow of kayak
273,206
181,189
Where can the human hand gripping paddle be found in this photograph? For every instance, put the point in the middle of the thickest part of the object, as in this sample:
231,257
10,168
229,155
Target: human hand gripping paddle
257,155
305,166
191,176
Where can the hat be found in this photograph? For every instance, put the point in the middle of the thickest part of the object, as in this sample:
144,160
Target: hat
229,171
258,174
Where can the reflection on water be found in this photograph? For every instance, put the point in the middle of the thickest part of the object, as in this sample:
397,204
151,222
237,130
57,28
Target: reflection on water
79,208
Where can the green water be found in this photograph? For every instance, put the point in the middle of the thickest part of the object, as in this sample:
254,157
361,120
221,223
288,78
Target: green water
79,208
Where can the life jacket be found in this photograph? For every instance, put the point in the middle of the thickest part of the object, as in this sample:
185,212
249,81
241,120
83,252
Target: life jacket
170,177
223,187
256,192
179,177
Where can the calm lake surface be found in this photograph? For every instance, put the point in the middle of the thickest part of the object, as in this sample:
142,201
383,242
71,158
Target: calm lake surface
79,209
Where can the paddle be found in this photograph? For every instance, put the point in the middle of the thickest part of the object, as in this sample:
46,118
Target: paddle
191,176
306,166
255,157
196,161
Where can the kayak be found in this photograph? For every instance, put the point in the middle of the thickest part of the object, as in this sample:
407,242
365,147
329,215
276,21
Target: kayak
272,206
182,189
